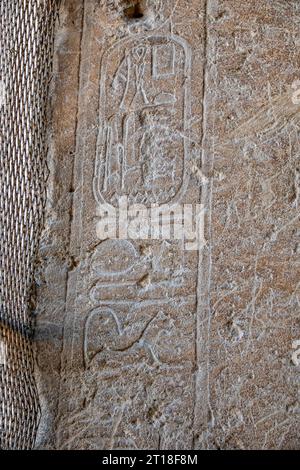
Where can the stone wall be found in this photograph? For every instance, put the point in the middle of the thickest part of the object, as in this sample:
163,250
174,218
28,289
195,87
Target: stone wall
143,343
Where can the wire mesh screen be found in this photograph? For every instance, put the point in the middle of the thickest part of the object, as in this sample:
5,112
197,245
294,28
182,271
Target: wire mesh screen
26,36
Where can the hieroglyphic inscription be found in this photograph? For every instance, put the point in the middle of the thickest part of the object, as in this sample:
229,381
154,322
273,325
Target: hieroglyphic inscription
143,142
132,304
135,332
132,295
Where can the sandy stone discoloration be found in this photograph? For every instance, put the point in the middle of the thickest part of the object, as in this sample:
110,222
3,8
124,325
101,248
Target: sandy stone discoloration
142,344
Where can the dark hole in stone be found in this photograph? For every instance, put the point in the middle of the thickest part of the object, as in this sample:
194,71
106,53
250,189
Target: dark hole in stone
134,12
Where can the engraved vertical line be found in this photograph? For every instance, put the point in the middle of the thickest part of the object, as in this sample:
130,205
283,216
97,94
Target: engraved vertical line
76,146
201,382
73,176
72,188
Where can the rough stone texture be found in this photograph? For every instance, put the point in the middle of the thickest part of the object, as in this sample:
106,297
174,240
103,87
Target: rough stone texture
142,344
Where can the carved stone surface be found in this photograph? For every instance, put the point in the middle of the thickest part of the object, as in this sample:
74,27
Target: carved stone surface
144,117
141,344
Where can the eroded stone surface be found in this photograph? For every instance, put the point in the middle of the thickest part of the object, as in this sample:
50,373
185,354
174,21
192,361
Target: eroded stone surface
142,344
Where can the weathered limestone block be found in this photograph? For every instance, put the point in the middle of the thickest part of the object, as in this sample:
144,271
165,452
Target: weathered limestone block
141,343
252,138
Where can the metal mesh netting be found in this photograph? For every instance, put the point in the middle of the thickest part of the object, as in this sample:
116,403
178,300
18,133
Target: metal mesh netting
26,38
